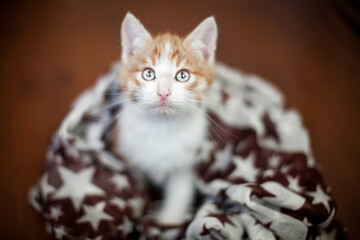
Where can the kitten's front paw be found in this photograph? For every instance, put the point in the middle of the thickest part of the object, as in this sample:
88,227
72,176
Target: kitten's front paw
170,219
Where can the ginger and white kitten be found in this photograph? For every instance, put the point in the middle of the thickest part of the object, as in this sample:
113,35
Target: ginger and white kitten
164,81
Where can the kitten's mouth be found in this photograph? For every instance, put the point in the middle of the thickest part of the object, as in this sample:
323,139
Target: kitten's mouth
164,107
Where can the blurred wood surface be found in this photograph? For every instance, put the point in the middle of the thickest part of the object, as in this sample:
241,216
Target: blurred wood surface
50,51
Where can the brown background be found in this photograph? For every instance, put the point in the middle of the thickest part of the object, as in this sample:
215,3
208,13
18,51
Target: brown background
51,51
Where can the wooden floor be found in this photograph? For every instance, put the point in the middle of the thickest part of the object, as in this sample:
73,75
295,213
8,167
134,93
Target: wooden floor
51,51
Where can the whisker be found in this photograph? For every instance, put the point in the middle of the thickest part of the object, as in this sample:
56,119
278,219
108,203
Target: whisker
113,118
205,114
111,105
131,108
206,129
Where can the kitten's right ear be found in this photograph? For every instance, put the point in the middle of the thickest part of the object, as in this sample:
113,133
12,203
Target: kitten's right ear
133,36
203,38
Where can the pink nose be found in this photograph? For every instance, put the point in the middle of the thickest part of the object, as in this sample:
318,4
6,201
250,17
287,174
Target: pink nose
163,96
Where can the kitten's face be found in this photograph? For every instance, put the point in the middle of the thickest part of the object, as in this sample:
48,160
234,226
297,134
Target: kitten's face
167,75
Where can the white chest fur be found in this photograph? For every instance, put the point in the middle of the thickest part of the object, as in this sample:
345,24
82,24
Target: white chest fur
159,145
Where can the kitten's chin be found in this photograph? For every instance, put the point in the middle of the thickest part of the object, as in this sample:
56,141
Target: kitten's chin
167,110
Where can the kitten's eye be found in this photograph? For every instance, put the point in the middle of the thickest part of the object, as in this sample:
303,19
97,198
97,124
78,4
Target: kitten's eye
148,74
182,76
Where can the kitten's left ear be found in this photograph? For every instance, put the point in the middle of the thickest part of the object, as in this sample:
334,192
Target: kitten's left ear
133,36
203,38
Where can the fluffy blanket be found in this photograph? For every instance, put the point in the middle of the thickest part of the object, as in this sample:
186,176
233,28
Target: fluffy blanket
257,177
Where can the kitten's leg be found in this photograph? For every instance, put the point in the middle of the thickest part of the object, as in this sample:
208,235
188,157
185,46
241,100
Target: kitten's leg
178,196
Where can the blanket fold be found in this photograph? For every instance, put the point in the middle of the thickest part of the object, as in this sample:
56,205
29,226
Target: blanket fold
256,175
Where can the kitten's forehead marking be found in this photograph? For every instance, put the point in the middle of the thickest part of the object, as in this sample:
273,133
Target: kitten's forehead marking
165,70
167,48
163,63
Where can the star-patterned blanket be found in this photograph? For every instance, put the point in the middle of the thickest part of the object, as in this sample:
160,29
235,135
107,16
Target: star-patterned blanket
257,177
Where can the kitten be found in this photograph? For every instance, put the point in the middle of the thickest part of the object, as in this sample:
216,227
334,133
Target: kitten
164,81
